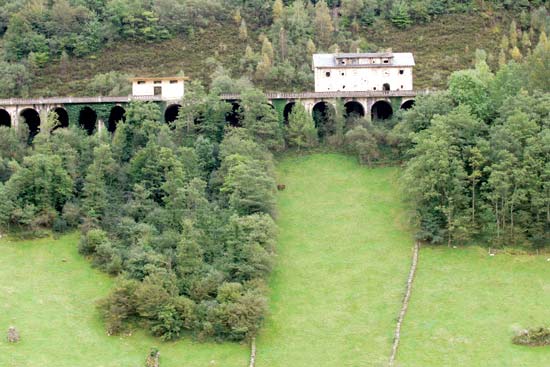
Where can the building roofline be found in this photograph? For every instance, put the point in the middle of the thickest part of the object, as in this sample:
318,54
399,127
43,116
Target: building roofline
152,78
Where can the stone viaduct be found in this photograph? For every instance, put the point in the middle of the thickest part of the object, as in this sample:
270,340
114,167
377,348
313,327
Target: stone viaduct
96,113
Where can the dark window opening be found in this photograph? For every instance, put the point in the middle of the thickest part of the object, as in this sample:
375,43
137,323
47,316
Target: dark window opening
401,72
233,117
401,87
386,87
386,61
157,91
343,87
374,88
343,74
158,82
327,74
141,82
173,82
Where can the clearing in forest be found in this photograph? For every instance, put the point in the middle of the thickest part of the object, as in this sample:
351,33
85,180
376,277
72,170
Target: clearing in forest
48,290
466,307
343,257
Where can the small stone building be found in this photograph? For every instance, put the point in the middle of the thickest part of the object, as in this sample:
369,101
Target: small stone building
167,88
362,72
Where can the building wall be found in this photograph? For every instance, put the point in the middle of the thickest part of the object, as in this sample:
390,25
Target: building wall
363,79
170,91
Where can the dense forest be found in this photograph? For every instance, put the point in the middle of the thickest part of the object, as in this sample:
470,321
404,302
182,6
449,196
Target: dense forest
183,213
274,40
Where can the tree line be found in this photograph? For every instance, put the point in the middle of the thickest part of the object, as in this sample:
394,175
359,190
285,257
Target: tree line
478,154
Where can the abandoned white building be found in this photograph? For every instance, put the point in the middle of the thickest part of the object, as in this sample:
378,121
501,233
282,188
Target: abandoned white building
168,88
362,72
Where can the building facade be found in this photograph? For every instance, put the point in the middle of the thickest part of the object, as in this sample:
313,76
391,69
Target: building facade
167,88
363,72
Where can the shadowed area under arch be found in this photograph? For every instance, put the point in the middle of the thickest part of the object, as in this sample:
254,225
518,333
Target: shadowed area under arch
323,116
233,117
407,104
87,120
31,117
354,108
117,114
381,110
171,113
287,111
62,117
5,118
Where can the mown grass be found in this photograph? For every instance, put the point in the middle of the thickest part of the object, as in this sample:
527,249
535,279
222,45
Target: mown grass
466,307
51,303
343,257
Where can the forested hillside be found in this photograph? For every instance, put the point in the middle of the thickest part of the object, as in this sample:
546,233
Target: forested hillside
83,47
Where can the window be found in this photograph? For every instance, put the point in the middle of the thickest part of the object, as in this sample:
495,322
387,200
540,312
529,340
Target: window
157,91
374,88
386,61
343,74
343,87
158,82
401,72
327,74
401,87
173,82
141,82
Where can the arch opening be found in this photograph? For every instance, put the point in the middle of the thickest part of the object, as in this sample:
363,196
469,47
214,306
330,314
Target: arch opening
323,116
287,111
407,104
116,115
32,119
386,87
5,118
62,117
381,110
354,108
87,120
171,113
233,117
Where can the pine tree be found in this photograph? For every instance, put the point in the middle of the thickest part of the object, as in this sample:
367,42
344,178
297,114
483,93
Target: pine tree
237,17
399,15
504,42
278,8
301,128
501,58
513,34
243,32
515,53
323,24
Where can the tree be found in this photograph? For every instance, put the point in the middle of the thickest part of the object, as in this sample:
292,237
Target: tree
323,24
243,32
362,144
399,15
278,8
261,119
301,128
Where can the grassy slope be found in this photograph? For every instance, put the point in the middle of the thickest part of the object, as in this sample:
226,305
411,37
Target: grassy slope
442,46
343,257
467,305
445,45
52,304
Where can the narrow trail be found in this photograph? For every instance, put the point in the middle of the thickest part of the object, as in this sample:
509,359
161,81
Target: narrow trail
405,306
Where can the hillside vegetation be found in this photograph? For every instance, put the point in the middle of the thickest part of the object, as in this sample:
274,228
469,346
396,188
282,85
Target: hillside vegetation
67,47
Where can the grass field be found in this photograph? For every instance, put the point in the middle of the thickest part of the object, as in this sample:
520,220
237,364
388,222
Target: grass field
51,302
466,306
343,257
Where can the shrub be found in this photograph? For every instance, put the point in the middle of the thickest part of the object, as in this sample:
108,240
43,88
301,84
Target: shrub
535,337
59,225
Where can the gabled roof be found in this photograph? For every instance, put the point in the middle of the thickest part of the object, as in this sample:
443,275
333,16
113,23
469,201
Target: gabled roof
330,60
153,78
